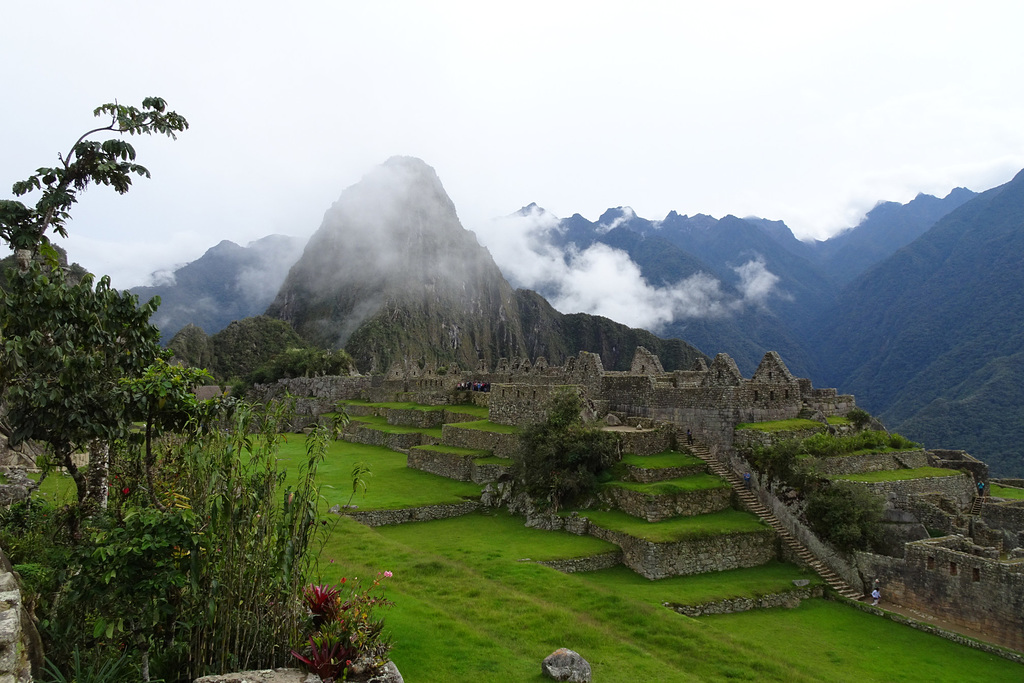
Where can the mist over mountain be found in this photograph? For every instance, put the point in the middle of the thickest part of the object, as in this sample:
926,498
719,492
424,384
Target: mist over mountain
393,276
226,283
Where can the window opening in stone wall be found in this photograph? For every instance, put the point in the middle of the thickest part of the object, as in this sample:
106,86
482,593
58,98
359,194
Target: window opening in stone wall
952,568
976,576
769,374
755,394
787,393
931,563
771,395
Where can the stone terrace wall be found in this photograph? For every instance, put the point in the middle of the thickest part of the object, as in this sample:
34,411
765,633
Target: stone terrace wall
453,466
647,441
661,560
501,445
647,476
871,462
426,513
953,578
522,404
746,438
586,564
655,508
958,487
1008,515
788,599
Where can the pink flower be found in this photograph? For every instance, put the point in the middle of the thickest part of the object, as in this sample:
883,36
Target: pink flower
388,575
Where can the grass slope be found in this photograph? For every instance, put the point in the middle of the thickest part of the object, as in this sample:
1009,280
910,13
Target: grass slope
900,475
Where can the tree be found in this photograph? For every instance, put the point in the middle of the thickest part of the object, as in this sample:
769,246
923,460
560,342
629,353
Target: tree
89,162
63,350
561,458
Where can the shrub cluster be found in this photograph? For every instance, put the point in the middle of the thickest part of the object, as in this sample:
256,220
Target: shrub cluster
561,459
347,634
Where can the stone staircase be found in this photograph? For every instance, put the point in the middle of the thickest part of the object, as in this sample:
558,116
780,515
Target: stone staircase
976,506
750,501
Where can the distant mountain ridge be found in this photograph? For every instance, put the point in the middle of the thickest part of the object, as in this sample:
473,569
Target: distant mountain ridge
226,283
393,277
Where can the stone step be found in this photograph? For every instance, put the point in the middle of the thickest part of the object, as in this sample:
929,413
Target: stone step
755,506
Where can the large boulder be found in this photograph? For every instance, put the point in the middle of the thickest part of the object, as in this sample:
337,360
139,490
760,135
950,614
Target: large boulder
565,665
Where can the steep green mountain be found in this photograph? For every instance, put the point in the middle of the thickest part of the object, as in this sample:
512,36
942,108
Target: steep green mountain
393,277
886,228
226,283
930,338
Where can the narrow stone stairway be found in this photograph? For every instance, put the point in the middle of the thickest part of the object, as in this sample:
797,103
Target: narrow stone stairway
976,506
750,501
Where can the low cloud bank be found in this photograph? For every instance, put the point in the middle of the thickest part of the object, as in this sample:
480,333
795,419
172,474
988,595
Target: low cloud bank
604,281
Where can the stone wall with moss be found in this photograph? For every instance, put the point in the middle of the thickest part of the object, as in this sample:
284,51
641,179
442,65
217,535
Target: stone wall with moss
656,507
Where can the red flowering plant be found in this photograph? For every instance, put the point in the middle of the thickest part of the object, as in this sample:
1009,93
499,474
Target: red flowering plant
347,636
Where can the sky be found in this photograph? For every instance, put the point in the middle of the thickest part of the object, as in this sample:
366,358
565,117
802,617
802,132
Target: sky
806,112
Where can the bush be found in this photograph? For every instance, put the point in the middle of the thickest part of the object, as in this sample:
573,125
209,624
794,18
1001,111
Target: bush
561,460
848,516
859,417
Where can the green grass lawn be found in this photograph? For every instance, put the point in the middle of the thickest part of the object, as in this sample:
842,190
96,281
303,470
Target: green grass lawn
676,528
781,425
774,577
477,616
662,460
483,538
832,642
465,408
900,475
695,482
1006,492
391,484
488,426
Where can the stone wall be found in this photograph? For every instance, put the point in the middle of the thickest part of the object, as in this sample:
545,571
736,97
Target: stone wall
953,578
453,466
358,433
747,438
788,599
957,487
789,516
655,508
1008,515
21,654
585,564
425,513
523,404
870,462
680,558
501,445
646,475
646,441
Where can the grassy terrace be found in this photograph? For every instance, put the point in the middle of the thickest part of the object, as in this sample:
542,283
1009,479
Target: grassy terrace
900,475
781,425
1006,492
838,420
467,409
488,426
661,460
467,610
457,450
696,482
381,424
677,528
390,486
774,577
